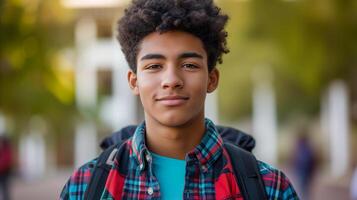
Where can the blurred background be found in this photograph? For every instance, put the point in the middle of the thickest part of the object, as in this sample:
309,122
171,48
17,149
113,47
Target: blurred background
290,80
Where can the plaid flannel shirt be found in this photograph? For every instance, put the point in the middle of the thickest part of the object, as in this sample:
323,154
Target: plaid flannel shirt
209,174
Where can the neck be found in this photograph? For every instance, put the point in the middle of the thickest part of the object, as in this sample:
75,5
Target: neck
174,141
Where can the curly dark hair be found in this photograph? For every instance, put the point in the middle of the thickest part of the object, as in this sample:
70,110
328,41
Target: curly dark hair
201,18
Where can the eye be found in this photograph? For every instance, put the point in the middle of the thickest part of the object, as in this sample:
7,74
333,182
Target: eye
153,67
190,66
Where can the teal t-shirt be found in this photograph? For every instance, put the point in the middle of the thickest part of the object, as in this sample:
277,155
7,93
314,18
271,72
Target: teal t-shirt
170,173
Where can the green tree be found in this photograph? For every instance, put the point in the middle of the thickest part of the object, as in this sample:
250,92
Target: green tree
307,44
31,81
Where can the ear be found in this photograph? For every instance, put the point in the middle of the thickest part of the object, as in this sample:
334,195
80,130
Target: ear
213,78
133,80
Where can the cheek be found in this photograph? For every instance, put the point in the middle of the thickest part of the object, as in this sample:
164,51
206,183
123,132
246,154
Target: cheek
198,86
146,87
146,82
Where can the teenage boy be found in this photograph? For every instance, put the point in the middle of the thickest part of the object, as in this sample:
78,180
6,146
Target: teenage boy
172,47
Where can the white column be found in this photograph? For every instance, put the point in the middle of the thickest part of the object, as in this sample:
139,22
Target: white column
32,154
121,108
2,124
211,107
125,101
85,143
324,124
85,146
338,127
86,87
85,33
85,76
264,117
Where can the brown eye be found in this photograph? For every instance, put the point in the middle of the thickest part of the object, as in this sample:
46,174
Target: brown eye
190,66
153,67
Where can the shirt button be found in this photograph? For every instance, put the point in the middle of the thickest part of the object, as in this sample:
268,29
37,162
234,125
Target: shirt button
150,191
187,193
148,157
204,168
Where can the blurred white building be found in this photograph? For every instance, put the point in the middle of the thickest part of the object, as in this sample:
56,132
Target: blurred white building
100,74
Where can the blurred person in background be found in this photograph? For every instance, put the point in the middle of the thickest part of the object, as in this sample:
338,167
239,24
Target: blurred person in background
5,167
304,163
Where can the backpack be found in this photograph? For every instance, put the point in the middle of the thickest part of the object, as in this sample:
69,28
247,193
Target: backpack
244,164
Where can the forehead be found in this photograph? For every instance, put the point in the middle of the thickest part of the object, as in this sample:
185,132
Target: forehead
171,43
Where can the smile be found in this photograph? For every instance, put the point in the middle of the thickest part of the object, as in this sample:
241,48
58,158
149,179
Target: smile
173,100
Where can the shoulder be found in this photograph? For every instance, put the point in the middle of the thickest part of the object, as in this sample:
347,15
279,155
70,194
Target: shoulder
77,183
277,184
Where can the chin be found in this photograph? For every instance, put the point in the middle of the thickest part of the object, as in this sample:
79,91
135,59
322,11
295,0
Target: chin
173,121
169,119
177,119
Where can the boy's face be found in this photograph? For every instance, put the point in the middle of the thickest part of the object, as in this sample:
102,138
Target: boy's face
172,78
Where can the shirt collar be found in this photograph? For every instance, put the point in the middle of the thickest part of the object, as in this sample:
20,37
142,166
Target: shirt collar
138,144
210,148
207,152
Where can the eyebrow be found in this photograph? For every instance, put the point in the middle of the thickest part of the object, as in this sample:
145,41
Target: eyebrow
181,56
152,56
190,55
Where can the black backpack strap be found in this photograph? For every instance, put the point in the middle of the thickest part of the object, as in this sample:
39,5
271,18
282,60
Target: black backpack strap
100,173
246,171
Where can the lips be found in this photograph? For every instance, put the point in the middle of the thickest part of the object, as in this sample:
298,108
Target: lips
173,100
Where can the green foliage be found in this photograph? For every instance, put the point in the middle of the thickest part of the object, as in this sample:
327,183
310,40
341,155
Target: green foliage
31,80
307,44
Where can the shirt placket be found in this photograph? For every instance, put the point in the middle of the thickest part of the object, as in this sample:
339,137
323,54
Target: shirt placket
152,186
191,167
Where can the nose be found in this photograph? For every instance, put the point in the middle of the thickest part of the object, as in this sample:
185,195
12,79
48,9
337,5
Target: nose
171,79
